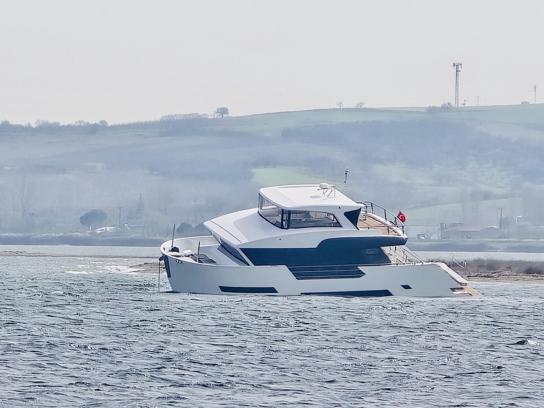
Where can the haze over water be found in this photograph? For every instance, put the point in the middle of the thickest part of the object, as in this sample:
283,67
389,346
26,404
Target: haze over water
84,330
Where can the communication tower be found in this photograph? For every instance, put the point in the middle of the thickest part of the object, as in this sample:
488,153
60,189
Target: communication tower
457,66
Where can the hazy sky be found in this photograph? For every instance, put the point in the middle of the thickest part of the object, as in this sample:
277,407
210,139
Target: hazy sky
122,61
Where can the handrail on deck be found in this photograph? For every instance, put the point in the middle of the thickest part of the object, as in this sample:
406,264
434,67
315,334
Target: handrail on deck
408,255
372,208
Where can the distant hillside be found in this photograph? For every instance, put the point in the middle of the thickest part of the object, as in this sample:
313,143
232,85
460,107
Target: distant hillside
188,170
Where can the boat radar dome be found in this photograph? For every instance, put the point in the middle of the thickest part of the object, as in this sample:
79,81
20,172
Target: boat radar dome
324,186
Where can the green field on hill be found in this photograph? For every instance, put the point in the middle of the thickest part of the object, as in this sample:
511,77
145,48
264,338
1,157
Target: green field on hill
188,170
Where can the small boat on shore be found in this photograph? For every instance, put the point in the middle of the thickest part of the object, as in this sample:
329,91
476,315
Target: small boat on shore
306,240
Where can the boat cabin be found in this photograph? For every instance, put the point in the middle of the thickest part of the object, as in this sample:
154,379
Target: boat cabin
294,219
308,206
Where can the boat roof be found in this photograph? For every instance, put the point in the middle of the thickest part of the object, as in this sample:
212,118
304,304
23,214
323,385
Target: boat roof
307,196
246,226
242,226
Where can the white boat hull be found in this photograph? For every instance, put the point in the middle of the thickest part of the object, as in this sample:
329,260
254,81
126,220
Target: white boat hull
421,280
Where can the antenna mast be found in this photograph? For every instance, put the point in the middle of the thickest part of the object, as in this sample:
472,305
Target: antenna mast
457,66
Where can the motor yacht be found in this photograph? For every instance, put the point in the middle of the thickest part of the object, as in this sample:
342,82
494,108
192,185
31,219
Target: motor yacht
306,240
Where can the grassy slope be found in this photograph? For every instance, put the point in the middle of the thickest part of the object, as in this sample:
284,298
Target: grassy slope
272,124
514,122
269,123
174,163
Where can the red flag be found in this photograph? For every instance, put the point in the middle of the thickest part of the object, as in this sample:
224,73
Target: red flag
401,217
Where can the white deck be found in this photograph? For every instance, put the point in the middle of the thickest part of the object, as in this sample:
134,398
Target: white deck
209,247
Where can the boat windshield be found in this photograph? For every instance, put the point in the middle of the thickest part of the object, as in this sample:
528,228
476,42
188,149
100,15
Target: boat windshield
282,218
272,213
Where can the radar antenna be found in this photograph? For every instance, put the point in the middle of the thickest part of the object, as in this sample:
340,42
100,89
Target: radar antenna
327,190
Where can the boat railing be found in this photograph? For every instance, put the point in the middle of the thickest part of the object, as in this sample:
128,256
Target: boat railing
391,220
402,255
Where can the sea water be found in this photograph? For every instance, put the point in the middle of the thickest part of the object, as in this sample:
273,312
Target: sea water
84,328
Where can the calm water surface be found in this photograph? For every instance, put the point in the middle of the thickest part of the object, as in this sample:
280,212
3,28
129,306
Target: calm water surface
85,330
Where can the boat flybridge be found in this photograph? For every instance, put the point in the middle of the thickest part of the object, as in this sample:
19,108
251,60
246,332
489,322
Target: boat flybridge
306,240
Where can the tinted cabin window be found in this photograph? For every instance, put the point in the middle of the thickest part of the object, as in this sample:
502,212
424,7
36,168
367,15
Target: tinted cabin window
309,219
231,251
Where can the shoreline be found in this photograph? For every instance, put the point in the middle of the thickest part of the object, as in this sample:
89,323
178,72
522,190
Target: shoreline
475,270
507,279
486,270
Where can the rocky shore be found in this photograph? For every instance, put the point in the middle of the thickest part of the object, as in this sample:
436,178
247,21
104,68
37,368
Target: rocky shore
496,270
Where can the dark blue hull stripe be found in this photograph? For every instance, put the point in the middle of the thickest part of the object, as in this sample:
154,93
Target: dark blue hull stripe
248,289
357,293
326,272
330,252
